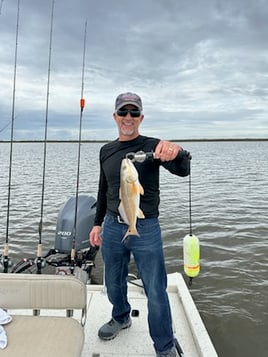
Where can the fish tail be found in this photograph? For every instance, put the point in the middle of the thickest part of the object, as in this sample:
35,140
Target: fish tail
131,232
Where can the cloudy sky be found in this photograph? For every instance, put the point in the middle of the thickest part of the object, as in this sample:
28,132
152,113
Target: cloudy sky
201,67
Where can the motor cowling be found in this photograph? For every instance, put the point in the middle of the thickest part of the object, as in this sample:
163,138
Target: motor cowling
86,210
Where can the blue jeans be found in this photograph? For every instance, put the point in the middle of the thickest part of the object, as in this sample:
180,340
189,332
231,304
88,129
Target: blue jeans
148,254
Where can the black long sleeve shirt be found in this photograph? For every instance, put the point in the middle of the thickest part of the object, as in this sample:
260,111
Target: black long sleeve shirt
111,155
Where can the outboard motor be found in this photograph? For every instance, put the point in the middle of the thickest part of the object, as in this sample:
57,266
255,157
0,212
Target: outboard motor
60,257
86,210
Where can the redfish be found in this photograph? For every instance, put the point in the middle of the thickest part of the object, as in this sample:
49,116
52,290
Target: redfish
129,194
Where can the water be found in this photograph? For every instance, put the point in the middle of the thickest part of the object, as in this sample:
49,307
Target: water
229,215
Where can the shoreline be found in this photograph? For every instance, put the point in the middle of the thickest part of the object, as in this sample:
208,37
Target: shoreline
106,141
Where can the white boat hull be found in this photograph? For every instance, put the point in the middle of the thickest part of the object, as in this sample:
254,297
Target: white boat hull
135,341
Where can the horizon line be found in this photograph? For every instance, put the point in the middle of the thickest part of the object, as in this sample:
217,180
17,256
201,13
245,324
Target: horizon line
108,140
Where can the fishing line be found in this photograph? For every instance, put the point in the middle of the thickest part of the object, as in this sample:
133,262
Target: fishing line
82,105
39,259
191,249
1,5
190,204
5,126
6,260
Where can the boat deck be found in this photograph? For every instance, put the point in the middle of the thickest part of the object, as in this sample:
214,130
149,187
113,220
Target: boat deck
188,326
135,341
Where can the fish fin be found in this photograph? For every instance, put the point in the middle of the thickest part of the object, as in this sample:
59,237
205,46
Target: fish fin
140,214
122,212
135,188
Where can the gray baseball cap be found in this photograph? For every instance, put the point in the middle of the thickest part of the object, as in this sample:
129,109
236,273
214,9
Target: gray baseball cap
128,98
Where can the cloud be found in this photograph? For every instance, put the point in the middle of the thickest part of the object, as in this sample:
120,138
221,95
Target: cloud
200,67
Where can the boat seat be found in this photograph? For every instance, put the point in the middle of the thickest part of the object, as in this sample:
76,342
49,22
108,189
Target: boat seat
58,331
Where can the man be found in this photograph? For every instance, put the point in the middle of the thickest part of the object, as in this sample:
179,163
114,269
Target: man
109,228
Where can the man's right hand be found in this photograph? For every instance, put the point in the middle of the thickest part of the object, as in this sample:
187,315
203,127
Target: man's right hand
95,236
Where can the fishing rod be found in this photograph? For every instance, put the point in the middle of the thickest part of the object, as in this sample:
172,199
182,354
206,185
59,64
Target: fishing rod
6,260
141,156
191,248
82,106
40,262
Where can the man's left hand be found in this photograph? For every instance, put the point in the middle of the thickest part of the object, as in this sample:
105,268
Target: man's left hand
166,150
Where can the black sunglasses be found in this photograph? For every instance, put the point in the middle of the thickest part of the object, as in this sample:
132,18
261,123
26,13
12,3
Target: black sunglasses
135,113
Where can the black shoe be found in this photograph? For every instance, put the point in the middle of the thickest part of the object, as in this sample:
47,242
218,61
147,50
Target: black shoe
170,353
111,329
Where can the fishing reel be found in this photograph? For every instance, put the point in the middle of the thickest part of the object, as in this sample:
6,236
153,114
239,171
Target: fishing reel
5,263
40,262
141,156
